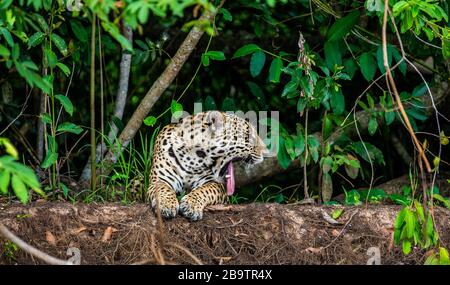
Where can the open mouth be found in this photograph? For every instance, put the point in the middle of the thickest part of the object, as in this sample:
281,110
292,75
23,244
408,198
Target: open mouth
228,171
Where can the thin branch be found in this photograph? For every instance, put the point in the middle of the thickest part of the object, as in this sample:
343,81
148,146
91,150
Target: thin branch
92,104
30,249
24,106
391,82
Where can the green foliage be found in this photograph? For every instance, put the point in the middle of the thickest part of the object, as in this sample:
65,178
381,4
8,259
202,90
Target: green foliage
438,258
212,55
412,227
10,250
16,175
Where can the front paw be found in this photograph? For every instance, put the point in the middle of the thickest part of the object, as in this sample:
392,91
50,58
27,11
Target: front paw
191,208
168,207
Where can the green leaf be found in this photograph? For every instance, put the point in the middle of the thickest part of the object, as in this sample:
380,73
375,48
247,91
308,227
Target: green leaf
46,118
291,86
389,117
301,104
215,55
398,57
409,223
337,213
113,30
176,109
27,175
275,70
283,157
19,189
5,4
350,67
400,218
4,51
417,113
368,65
299,144
143,14
327,126
420,90
41,22
352,167
66,103
400,6
257,63
352,198
226,14
337,102
205,60
376,155
150,121
7,35
246,50
373,125
36,39
313,141
5,177
49,159
333,54
342,26
9,148
380,58
400,199
60,44
289,145
79,30
64,189
326,163
52,60
406,247
210,103
441,199
63,68
257,92
69,128
443,256
228,104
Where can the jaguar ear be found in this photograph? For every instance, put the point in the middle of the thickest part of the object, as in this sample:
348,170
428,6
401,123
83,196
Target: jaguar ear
216,120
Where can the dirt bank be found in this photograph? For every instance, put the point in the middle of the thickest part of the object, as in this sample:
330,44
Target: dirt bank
245,234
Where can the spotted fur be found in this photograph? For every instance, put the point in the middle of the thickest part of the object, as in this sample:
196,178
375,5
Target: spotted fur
193,155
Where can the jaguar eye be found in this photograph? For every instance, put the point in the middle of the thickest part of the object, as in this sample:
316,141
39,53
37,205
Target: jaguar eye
201,153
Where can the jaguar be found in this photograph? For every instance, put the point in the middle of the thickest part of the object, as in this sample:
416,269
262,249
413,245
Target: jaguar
196,156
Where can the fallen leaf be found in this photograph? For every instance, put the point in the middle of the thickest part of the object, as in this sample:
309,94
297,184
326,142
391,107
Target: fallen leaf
335,232
328,218
219,208
108,233
223,259
79,230
50,238
313,249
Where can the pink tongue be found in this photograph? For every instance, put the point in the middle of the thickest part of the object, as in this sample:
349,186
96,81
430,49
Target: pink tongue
230,179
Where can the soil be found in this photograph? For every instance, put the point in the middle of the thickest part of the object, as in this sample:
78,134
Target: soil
111,233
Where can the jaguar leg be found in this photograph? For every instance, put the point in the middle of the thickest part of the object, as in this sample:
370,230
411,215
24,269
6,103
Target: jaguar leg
162,196
211,193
